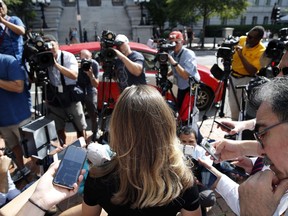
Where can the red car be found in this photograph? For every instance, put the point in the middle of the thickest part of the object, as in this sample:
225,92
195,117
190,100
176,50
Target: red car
108,90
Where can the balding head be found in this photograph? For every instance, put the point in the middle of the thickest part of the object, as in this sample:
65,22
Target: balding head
85,54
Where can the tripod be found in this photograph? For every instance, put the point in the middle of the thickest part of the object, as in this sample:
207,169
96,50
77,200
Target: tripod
165,85
194,85
106,108
223,76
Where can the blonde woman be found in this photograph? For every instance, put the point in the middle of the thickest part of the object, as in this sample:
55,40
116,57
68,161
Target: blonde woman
148,175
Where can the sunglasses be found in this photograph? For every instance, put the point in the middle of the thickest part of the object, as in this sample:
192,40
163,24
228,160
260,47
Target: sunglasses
258,135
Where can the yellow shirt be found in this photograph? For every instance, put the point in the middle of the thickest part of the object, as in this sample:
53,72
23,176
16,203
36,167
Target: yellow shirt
251,54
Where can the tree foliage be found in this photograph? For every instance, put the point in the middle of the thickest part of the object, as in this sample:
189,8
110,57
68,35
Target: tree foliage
158,12
189,11
22,9
186,9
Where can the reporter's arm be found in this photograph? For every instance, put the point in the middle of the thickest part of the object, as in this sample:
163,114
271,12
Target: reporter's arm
225,186
19,30
238,126
232,149
70,73
228,189
133,67
46,194
12,86
179,69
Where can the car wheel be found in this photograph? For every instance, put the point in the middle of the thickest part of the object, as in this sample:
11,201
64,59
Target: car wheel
205,97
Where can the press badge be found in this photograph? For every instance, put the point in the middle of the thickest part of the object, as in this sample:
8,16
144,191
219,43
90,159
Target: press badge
60,89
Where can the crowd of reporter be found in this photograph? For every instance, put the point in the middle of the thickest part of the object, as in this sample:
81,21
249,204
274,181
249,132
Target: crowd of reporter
41,200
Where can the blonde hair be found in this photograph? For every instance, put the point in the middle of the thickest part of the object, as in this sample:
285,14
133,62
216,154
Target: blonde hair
150,166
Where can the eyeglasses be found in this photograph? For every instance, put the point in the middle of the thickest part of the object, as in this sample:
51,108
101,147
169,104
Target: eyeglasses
258,135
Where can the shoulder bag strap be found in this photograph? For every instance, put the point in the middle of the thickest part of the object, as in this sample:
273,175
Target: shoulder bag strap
62,76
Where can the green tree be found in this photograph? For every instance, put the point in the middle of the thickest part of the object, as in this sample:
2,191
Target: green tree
158,13
21,8
185,10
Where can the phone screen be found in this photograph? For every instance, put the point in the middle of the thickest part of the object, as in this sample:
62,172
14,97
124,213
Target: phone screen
207,177
70,167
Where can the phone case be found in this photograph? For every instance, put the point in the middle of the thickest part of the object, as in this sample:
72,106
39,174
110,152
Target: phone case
70,167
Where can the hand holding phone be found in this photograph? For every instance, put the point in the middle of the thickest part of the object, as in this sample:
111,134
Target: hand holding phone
70,167
209,148
208,178
223,125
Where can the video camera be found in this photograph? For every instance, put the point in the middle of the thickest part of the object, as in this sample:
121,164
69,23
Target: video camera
274,52
226,49
37,53
107,54
163,47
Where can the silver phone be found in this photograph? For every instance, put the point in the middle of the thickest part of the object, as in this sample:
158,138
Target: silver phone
209,148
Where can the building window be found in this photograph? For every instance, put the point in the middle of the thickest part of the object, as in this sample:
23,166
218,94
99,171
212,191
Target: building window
268,2
257,2
224,21
279,2
254,20
266,20
243,20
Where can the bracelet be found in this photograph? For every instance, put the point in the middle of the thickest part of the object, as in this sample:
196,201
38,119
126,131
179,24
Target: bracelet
42,209
175,65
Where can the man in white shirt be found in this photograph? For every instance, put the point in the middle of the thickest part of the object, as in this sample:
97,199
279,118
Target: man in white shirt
264,193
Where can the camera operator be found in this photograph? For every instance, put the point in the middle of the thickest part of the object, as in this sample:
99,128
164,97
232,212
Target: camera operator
88,81
184,65
63,73
245,65
129,66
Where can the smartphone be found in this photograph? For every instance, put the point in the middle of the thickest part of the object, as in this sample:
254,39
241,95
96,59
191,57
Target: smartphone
223,125
209,148
208,178
78,143
70,167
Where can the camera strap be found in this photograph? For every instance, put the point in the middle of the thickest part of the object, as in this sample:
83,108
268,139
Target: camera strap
179,56
62,76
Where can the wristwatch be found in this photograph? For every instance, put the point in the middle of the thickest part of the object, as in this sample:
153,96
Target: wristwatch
175,65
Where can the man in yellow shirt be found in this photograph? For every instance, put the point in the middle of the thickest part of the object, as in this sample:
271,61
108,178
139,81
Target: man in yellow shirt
245,65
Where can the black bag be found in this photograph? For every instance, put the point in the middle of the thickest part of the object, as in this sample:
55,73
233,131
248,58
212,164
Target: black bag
57,99
76,93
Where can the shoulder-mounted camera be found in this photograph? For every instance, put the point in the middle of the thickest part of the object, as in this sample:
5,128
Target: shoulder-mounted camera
107,54
226,49
37,53
163,47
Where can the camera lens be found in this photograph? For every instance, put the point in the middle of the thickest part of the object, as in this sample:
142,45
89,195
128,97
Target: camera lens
86,64
162,57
